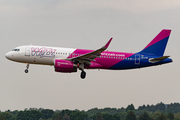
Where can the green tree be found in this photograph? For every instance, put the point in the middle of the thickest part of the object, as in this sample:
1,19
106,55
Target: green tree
131,116
29,115
57,116
155,115
66,117
68,112
98,116
177,116
2,117
130,107
78,115
116,117
160,106
170,116
173,107
162,116
123,115
107,116
7,115
144,116
47,113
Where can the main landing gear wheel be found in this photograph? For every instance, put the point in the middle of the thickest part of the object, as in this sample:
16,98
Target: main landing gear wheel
83,74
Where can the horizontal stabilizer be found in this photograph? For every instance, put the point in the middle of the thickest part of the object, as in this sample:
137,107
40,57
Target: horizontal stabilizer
158,59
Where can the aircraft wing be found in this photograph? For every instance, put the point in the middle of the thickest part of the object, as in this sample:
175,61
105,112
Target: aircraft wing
86,58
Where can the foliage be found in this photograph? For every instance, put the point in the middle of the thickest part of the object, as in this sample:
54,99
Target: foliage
159,111
130,107
29,115
66,117
2,117
6,115
57,116
162,117
144,116
155,115
47,113
170,116
77,115
177,116
131,116
160,106
98,117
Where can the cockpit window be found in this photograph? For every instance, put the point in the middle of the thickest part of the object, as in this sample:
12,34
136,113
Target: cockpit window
16,50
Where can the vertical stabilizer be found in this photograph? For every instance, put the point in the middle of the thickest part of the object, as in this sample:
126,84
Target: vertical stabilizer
158,44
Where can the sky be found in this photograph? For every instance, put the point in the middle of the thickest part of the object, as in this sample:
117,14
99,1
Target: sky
87,25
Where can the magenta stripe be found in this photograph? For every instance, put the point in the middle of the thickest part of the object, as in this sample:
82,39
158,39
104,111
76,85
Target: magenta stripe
107,59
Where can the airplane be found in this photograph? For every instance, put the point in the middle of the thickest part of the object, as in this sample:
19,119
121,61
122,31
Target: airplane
67,60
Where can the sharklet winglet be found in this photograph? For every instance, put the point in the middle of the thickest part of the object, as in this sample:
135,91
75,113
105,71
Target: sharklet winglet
107,44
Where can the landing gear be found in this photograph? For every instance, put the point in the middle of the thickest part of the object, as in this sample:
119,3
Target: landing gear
83,74
27,66
26,71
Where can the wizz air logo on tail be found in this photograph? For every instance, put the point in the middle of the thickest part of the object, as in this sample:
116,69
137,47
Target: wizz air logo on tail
43,52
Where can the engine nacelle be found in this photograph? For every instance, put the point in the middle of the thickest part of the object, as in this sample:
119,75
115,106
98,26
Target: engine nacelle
64,66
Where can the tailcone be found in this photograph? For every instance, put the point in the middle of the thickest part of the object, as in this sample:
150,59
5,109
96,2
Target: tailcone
168,60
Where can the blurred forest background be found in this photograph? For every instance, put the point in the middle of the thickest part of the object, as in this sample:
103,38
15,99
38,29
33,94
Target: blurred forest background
159,111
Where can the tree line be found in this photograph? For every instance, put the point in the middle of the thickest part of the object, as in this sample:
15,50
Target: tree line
159,111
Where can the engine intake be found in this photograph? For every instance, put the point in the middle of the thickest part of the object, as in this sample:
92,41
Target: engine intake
64,66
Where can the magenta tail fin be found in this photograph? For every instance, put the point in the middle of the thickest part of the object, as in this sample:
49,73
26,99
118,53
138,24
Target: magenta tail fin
158,45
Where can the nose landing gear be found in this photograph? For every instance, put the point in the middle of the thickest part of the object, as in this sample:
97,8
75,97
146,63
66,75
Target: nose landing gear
27,66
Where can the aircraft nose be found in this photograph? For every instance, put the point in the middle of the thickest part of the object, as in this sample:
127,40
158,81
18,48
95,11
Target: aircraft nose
7,55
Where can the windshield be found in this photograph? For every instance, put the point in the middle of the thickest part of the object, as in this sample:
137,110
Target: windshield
16,50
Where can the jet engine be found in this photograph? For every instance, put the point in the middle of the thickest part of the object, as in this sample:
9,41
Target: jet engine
64,66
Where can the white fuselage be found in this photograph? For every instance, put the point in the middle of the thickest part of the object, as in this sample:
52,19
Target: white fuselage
38,54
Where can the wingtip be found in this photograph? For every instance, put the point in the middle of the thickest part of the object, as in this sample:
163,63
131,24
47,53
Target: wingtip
107,44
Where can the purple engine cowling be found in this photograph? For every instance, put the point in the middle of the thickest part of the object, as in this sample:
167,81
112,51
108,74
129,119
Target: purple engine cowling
64,66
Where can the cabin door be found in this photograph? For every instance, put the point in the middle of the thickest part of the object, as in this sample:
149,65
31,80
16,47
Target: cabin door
27,51
137,59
